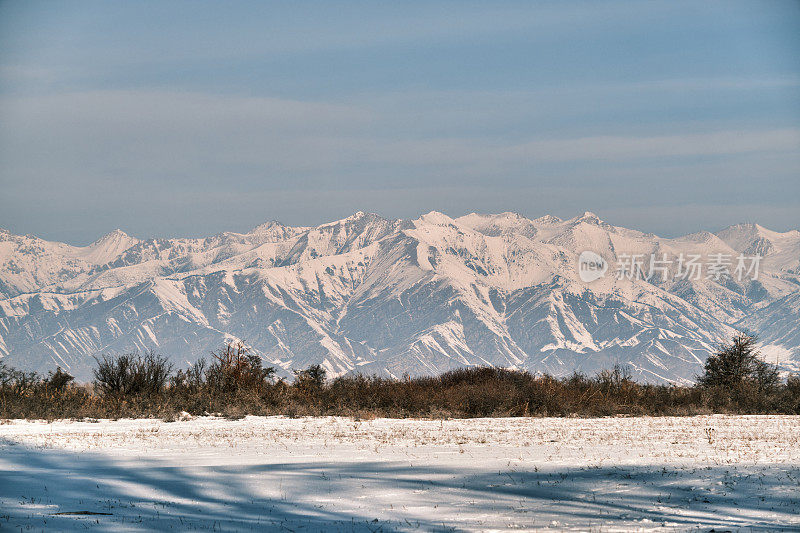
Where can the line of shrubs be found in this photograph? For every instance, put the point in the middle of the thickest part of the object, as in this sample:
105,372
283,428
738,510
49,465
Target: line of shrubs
234,383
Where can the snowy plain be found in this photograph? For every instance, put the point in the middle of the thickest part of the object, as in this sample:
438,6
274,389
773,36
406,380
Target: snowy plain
342,474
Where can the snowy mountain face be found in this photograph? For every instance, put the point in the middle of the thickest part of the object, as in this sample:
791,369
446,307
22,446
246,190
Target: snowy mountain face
371,295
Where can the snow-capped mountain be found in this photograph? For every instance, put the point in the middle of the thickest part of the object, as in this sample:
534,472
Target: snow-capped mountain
371,295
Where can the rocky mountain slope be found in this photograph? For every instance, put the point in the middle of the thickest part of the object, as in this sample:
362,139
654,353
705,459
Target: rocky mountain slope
367,294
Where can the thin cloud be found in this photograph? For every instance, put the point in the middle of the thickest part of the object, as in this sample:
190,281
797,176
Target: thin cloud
181,133
690,144
164,153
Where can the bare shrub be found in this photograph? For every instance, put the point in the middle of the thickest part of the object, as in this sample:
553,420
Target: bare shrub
57,381
18,380
310,381
790,401
132,375
237,384
235,369
312,377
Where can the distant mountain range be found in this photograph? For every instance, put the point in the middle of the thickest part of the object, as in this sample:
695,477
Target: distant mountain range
372,295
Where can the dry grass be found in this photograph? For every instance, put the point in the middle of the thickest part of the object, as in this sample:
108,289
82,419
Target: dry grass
241,387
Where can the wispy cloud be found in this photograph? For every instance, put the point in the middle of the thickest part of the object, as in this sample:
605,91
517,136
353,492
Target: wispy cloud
160,112
687,145
149,133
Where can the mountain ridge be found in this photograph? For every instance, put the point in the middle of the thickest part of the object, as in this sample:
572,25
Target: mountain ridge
394,296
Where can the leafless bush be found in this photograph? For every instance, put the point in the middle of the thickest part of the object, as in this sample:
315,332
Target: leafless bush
59,380
236,369
236,384
132,375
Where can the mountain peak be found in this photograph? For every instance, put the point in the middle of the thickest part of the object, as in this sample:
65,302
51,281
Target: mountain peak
359,217
363,215
508,215
755,230
266,226
507,223
114,234
112,238
752,239
436,218
589,218
108,247
547,220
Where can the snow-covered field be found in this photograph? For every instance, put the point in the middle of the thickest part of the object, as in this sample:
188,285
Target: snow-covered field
314,474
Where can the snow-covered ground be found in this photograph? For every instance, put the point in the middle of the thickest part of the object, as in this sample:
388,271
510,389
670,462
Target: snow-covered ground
315,474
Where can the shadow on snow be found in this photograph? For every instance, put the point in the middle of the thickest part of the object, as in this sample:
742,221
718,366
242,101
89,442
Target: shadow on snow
35,484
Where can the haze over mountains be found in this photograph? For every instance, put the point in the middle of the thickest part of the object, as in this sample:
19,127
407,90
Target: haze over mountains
372,295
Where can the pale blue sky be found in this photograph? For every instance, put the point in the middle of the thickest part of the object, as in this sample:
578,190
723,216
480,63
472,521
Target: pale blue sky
190,118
